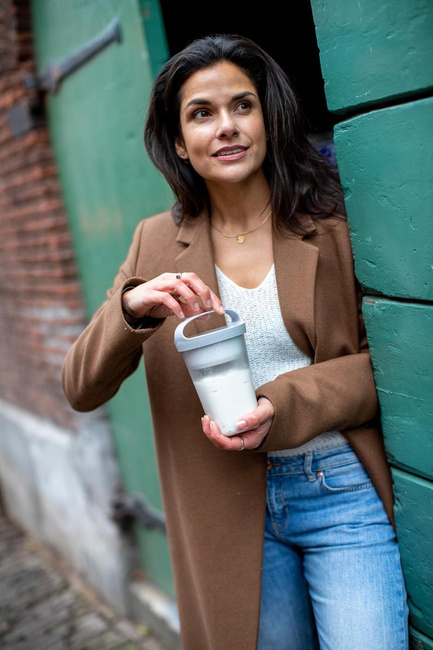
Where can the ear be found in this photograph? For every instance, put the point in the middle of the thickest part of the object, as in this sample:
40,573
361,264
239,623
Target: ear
179,145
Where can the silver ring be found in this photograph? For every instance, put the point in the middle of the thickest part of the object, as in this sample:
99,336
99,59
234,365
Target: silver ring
243,444
178,276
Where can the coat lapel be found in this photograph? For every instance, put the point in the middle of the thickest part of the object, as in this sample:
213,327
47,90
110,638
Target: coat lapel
197,255
295,266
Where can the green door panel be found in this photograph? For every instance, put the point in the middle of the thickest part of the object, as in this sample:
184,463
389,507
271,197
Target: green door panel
132,429
399,335
419,641
413,514
372,51
96,123
154,31
385,161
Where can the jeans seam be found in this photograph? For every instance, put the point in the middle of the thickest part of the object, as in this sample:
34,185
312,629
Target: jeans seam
353,488
318,469
403,605
364,485
274,505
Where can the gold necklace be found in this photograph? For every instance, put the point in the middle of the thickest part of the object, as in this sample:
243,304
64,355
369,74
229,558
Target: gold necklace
240,238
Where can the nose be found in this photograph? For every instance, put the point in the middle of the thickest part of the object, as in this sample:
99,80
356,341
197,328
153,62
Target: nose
227,127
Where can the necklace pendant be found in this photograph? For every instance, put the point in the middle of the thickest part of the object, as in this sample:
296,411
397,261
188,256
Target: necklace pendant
240,239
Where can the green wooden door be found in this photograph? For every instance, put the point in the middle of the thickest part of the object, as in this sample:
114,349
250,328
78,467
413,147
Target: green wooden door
96,123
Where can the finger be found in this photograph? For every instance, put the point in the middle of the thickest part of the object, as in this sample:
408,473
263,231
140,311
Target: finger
205,421
254,419
207,296
161,297
216,303
189,312
212,431
179,290
252,439
164,291
199,287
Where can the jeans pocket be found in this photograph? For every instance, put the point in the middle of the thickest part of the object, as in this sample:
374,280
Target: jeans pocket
345,478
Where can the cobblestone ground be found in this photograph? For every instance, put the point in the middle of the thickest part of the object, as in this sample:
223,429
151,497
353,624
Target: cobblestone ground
44,607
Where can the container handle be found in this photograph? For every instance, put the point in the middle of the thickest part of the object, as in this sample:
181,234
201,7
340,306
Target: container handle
180,336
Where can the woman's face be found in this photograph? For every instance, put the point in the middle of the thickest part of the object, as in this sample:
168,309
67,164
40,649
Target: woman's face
222,128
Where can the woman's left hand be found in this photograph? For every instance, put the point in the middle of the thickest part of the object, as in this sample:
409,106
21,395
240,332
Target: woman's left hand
253,428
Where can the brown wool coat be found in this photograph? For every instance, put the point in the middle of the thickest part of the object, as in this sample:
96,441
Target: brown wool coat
215,500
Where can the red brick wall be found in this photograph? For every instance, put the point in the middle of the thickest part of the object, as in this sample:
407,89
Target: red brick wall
41,310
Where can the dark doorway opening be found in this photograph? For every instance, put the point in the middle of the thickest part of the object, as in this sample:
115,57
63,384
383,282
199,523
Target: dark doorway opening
285,31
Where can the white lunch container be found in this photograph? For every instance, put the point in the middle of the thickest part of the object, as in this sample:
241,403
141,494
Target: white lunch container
218,363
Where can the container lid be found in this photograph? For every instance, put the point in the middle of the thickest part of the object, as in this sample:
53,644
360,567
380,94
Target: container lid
184,343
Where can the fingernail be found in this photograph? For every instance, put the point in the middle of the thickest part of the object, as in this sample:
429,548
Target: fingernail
196,306
222,309
181,315
211,425
241,424
208,303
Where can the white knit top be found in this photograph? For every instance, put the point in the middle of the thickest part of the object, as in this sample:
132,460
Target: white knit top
271,350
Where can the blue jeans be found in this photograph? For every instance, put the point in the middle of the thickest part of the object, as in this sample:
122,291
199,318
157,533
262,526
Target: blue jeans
332,576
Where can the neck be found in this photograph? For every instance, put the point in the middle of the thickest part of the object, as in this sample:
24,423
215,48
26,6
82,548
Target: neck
238,208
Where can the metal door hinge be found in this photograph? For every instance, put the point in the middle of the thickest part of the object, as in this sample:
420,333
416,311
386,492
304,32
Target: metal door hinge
50,79
125,509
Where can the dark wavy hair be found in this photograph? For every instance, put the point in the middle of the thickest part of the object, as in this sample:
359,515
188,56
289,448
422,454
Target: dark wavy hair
300,180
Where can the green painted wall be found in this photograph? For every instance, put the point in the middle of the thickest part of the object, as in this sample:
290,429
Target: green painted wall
413,511
96,122
420,641
372,51
400,333
372,54
386,172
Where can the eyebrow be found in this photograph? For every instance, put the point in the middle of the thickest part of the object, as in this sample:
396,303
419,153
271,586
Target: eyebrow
206,102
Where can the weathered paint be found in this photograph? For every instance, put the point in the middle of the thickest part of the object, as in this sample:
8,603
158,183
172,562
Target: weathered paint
154,31
413,515
58,486
109,184
419,640
371,51
400,339
385,161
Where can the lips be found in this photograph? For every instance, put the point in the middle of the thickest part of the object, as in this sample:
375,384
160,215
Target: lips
229,151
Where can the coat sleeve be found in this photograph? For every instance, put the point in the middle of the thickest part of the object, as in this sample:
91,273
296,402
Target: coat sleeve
337,392
109,349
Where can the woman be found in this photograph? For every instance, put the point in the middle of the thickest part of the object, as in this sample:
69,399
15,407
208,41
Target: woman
257,226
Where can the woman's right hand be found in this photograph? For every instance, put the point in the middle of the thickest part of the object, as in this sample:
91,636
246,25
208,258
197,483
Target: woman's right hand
170,294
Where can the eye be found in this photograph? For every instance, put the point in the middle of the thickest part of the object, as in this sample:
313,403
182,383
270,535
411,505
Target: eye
200,113
244,105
